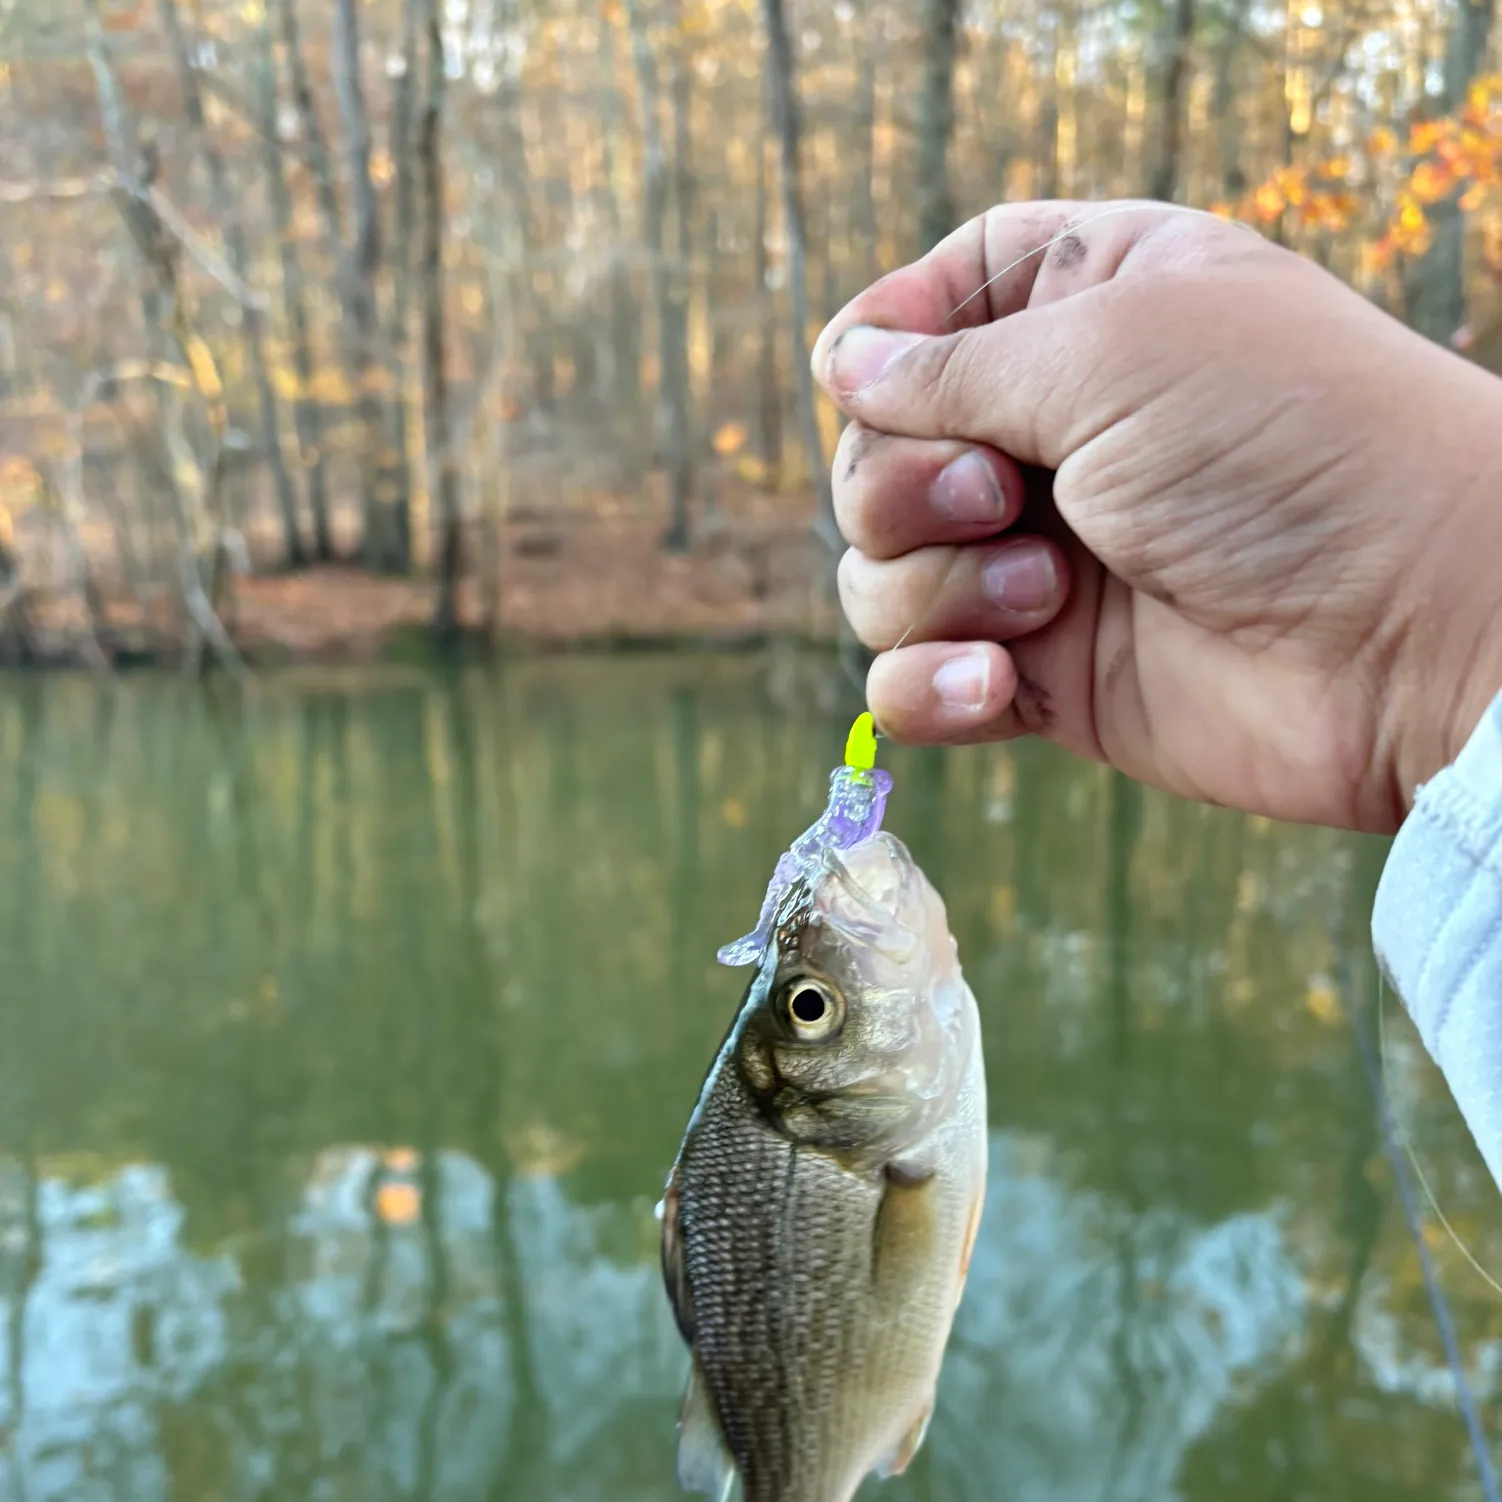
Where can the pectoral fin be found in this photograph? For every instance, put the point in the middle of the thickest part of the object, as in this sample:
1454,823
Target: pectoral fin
902,1239
908,1446
704,1464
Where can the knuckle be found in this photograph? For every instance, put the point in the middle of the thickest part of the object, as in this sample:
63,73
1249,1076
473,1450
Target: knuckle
863,598
847,583
852,490
942,371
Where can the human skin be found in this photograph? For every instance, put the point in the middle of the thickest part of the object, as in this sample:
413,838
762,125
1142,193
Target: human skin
1212,518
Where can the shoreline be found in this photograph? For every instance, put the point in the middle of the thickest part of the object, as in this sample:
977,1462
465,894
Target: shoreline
748,583
408,647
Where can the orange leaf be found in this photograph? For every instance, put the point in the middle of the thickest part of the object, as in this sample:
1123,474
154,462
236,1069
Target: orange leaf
1431,181
1383,141
1425,136
1377,257
1269,202
1340,208
1453,154
1330,211
1484,90
1474,196
1292,184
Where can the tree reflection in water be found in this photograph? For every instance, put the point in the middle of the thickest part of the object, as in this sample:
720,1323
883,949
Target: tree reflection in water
350,1026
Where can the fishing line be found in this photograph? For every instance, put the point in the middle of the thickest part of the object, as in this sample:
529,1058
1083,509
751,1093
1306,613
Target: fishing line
1408,1148
1437,1302
1074,228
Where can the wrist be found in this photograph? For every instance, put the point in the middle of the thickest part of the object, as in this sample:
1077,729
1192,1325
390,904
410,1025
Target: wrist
1452,652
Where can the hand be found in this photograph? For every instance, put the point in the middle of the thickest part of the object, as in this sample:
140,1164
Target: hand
1267,571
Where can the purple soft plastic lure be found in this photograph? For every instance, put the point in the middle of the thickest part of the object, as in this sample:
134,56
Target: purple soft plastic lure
857,801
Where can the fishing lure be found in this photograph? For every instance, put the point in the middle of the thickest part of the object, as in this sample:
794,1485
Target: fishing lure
857,801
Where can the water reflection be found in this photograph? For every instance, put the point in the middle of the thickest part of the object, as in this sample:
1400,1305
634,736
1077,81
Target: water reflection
349,1028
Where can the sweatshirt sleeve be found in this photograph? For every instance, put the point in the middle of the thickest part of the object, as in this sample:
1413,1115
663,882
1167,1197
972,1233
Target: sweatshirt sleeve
1437,927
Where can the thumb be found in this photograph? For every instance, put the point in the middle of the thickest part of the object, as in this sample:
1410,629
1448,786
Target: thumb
1014,384
1033,334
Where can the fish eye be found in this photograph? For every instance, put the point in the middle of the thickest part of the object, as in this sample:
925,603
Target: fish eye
812,1009
809,1005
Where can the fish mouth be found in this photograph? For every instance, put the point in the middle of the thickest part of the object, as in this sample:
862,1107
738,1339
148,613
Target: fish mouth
874,923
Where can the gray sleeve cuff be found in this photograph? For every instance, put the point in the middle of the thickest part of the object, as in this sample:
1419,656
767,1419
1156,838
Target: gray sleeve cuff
1437,927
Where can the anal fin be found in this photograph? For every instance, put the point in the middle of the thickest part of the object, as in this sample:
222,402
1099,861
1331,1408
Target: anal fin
901,1456
704,1464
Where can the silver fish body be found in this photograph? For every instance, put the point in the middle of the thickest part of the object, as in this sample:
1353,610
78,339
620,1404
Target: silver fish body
818,1222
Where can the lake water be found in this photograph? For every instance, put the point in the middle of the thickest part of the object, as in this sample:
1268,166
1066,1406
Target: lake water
348,1026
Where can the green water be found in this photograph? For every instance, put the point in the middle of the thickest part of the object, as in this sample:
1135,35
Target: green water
348,1026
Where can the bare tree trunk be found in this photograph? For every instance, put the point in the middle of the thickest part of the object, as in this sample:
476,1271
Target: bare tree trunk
1436,299
294,296
354,355
16,625
195,485
511,157
622,380
1048,122
785,118
864,213
714,300
936,122
403,215
829,261
1173,89
435,381
388,539
1223,109
672,407
769,393
252,324
681,481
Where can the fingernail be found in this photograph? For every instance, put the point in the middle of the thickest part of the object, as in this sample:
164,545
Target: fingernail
966,490
861,355
1021,579
962,681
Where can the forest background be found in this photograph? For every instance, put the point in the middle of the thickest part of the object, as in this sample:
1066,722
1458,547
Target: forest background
332,328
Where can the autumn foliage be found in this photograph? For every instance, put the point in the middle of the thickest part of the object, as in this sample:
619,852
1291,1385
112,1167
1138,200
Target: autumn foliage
1388,189
423,287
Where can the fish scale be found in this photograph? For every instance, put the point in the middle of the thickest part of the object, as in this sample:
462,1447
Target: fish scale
818,1219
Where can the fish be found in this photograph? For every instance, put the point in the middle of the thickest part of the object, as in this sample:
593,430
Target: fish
820,1215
